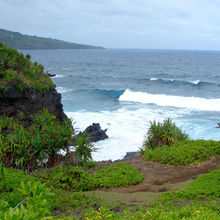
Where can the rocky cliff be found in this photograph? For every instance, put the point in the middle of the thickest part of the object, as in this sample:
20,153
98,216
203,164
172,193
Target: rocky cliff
24,105
25,88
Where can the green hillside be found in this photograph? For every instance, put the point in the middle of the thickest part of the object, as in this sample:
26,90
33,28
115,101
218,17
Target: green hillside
25,42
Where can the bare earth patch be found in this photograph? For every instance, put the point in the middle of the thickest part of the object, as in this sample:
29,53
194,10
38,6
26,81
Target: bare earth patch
161,178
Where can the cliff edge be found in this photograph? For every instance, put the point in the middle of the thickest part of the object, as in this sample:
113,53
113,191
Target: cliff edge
25,89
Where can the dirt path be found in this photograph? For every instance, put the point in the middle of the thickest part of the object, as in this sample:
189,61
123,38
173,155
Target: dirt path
160,178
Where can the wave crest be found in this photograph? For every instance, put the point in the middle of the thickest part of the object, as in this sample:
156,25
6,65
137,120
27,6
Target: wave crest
176,81
169,100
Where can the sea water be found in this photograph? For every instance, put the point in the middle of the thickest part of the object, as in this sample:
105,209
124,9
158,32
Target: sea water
124,90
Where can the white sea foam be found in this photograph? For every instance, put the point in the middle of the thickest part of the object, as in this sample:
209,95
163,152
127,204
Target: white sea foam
126,128
63,90
154,79
169,100
196,82
58,76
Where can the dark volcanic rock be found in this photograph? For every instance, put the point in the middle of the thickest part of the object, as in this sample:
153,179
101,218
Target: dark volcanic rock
96,132
51,75
130,155
30,102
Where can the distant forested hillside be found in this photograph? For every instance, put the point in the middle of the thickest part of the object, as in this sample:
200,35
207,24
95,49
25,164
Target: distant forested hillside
25,42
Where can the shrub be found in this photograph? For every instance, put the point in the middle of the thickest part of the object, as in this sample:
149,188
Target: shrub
2,177
91,164
27,148
34,206
118,174
183,153
49,136
72,178
78,179
165,133
84,149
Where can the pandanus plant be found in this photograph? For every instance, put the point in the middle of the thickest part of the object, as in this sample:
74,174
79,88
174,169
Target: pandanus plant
84,149
165,133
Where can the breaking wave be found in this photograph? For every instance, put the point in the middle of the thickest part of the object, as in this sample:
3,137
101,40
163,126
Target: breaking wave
170,100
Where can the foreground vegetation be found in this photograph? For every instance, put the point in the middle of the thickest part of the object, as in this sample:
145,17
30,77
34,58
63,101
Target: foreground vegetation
29,148
24,197
199,201
16,70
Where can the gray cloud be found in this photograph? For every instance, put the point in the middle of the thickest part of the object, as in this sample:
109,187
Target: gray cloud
118,23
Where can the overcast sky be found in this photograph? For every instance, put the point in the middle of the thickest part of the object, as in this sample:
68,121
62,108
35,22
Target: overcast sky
148,24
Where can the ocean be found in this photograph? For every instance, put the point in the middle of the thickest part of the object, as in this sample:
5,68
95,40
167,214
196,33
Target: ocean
124,90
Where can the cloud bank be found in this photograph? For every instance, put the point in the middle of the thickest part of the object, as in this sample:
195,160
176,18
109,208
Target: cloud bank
162,24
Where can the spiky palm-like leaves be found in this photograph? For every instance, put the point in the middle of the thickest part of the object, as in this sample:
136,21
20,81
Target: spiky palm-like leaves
84,149
165,133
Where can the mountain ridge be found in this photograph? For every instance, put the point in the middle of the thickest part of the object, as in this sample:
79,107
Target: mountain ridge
27,42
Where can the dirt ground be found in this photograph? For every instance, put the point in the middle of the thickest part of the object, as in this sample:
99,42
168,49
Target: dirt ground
161,178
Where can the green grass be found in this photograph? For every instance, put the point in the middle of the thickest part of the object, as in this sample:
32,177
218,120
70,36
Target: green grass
200,200
184,152
16,70
61,203
205,187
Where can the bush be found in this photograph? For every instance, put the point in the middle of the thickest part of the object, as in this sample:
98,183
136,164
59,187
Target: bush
84,149
16,70
118,174
27,148
73,178
78,179
34,206
165,133
184,153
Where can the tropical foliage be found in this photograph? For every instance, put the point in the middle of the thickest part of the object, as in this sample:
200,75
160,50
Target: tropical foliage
165,133
27,148
23,197
16,70
84,149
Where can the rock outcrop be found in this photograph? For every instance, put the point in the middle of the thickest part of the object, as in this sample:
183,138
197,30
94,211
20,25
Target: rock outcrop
24,105
95,132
